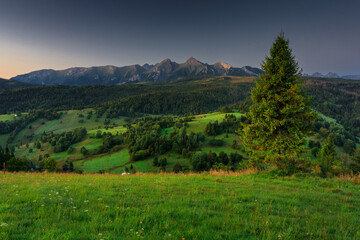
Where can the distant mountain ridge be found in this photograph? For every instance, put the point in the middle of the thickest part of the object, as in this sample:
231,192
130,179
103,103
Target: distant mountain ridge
164,71
332,75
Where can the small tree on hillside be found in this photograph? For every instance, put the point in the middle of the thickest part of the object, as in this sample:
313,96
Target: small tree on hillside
65,167
163,163
355,162
177,167
48,164
328,158
280,115
71,167
156,162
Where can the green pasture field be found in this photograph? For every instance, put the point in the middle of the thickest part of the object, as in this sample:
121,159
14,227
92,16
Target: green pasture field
7,117
198,125
146,165
117,161
68,121
170,206
106,162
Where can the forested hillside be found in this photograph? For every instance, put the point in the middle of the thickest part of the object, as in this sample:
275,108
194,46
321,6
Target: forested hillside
7,84
338,99
102,128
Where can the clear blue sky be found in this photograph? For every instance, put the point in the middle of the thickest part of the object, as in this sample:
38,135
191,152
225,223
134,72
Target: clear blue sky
37,34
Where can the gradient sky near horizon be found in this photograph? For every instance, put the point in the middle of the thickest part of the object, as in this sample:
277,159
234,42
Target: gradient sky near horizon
58,34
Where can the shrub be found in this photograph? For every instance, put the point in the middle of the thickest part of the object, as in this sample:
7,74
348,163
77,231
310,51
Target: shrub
199,162
216,142
84,151
48,164
223,157
235,158
315,151
156,162
141,154
355,162
163,163
16,165
288,165
177,167
328,159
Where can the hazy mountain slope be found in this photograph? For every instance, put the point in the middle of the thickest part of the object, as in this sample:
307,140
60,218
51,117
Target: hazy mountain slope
332,75
7,84
106,75
353,77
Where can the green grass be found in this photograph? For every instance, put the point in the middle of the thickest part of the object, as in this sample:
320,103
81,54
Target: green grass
70,120
26,153
326,118
172,158
199,124
7,117
67,122
106,162
89,143
146,165
257,206
114,130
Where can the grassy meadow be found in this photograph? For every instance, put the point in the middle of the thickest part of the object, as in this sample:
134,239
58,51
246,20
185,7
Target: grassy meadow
7,117
114,162
109,162
170,206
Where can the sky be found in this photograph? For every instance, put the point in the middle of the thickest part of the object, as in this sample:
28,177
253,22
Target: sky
58,34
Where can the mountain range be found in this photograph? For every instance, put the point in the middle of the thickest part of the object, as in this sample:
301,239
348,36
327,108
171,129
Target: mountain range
332,75
164,71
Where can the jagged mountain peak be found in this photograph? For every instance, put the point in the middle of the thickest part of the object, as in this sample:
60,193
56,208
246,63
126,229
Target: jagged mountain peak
317,74
165,65
147,66
193,61
332,75
166,60
223,65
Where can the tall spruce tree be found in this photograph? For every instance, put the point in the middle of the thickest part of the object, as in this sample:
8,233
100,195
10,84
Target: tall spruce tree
280,115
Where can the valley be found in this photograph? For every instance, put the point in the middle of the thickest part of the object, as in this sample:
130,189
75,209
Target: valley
125,106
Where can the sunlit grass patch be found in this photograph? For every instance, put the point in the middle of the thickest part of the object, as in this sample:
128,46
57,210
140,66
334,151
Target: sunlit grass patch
215,205
106,162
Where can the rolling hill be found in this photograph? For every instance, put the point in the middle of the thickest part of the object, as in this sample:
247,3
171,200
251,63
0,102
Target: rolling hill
111,108
7,84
